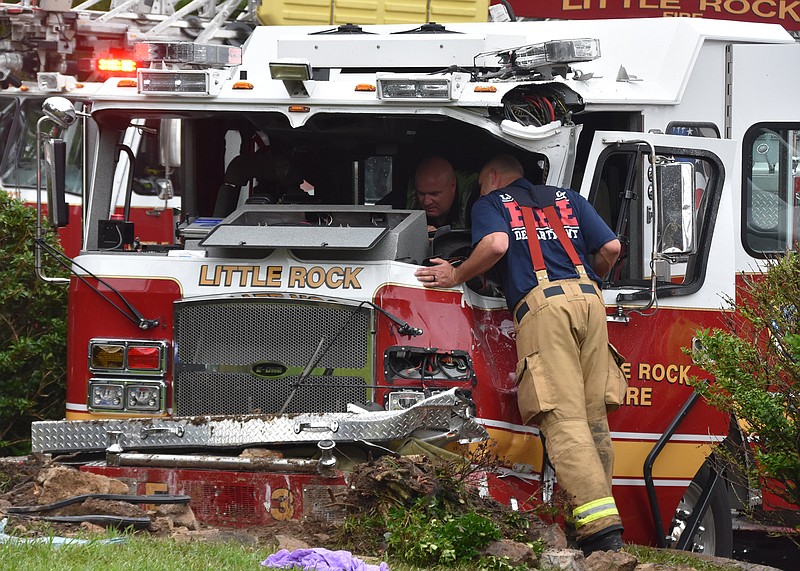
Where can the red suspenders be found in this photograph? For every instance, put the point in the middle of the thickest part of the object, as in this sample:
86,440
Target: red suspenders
551,217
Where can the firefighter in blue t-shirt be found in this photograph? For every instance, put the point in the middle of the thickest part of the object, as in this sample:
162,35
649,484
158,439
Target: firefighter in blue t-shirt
566,376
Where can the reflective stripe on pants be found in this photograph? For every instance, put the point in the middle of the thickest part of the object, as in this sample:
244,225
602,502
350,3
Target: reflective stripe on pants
592,511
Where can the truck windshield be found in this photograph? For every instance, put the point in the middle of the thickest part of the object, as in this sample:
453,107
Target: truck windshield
223,161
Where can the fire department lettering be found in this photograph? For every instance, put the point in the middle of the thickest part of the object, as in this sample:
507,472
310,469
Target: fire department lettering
658,372
336,277
544,231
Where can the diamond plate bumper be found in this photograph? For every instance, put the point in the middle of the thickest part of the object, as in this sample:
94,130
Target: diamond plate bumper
442,418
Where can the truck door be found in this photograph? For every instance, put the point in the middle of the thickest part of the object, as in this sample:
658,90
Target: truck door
654,270
671,280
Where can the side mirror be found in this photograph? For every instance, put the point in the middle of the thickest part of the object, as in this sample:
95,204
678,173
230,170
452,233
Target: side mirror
55,160
169,143
675,216
60,110
164,189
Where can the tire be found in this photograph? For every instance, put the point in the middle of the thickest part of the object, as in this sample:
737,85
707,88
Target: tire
716,535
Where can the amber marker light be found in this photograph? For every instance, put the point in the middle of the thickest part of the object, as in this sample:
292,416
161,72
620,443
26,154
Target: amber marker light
299,108
485,89
126,83
107,356
243,85
365,87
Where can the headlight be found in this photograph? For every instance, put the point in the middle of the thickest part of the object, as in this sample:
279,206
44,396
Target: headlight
143,397
400,400
127,396
105,396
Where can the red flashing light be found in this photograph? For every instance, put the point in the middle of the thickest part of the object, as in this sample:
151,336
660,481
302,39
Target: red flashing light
117,65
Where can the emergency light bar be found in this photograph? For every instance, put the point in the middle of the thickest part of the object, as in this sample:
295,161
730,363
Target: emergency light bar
417,87
558,51
550,53
188,53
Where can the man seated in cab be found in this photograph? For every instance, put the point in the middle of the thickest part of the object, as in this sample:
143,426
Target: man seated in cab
446,195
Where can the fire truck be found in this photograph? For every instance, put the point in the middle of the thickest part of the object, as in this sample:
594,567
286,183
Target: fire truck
282,336
49,48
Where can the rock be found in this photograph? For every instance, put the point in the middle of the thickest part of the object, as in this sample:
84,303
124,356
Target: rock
562,560
553,536
59,483
516,553
611,561
180,514
290,543
111,507
182,535
161,524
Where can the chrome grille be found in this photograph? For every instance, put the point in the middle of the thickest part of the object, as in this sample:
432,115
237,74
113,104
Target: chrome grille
218,341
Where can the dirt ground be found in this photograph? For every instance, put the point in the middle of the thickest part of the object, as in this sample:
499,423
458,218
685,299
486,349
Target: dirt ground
26,483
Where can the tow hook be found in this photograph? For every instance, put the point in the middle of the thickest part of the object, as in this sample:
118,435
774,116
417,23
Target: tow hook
327,461
114,448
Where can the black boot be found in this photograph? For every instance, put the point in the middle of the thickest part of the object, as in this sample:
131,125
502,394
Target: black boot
609,539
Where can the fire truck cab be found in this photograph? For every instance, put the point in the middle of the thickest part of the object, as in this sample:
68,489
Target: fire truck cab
285,313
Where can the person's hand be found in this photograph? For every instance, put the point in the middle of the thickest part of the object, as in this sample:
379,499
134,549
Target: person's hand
439,274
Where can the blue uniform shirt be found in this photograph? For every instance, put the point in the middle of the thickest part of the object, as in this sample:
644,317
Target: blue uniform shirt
499,212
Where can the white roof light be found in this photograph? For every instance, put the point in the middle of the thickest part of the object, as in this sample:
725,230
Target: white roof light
55,82
290,69
419,87
179,82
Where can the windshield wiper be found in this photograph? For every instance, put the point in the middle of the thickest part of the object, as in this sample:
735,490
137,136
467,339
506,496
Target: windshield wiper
129,311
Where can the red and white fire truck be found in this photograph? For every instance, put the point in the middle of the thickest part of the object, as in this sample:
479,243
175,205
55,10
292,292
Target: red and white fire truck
285,313
49,48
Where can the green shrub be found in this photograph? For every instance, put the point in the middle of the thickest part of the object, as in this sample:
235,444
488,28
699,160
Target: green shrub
32,330
754,360
427,535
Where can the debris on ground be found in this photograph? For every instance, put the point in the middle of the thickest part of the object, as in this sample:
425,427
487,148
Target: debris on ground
36,482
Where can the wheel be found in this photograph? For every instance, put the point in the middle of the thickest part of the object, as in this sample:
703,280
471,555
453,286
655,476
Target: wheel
715,533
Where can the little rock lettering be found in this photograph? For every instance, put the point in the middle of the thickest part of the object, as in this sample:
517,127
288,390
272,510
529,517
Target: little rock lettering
224,275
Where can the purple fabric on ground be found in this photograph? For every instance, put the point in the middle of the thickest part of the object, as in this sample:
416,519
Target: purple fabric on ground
319,559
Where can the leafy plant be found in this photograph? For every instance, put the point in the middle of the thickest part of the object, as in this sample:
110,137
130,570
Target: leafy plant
426,535
754,360
32,330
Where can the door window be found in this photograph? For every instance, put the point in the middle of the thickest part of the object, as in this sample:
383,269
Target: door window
771,189
622,193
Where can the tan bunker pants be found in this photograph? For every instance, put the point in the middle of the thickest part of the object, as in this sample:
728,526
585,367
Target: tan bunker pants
564,373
